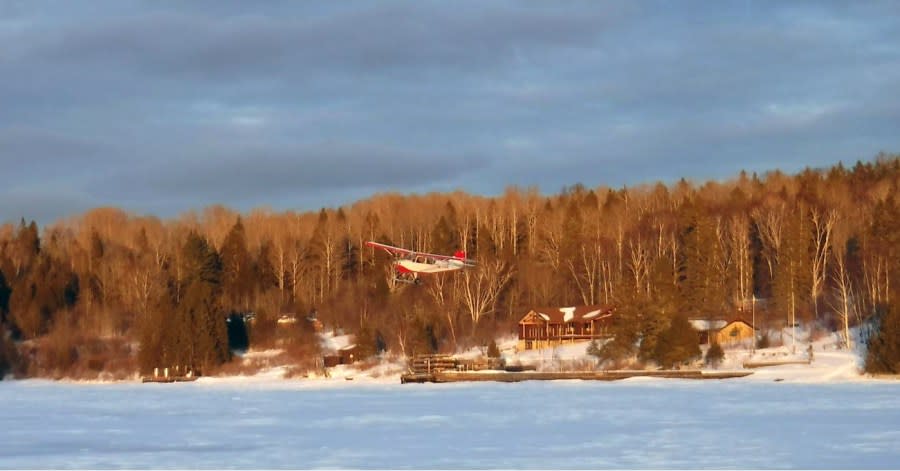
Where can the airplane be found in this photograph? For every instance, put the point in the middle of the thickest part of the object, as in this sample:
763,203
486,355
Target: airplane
409,264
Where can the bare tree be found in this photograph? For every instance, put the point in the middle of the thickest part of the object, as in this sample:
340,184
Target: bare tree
769,221
481,286
822,225
738,250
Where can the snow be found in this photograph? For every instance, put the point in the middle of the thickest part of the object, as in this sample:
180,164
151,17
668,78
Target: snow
819,415
593,314
637,423
704,324
332,341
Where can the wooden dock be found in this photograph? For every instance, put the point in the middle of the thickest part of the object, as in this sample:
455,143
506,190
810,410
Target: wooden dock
173,375
761,364
167,379
609,375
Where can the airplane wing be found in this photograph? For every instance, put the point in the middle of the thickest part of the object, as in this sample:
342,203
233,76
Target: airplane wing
459,257
389,248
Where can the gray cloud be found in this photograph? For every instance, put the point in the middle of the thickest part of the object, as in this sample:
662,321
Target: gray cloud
279,172
166,106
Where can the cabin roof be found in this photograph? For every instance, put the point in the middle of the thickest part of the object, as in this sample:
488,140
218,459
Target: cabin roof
715,324
561,315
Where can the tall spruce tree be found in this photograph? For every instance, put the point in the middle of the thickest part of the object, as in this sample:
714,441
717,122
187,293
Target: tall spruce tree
200,309
702,286
884,346
792,282
678,344
5,292
237,269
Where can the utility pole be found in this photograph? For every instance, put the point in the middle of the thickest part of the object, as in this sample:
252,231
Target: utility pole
753,311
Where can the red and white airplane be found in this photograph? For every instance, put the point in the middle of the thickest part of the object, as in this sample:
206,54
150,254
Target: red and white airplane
409,264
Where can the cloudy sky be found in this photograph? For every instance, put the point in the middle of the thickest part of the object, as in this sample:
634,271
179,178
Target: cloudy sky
159,107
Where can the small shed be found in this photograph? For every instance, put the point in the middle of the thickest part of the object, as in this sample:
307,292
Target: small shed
722,331
348,354
707,328
735,331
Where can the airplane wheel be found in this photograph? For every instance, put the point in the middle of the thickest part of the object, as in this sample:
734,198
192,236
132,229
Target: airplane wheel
417,281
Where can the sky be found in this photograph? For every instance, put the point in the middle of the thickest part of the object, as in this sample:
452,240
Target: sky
161,107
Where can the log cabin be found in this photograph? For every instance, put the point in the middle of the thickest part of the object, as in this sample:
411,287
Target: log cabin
551,326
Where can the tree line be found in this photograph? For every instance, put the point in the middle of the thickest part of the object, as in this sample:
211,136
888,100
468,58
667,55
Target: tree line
108,291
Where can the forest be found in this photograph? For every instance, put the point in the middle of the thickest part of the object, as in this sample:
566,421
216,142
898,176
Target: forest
112,293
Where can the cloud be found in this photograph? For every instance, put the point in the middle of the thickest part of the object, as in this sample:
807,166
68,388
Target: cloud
283,172
166,106
41,205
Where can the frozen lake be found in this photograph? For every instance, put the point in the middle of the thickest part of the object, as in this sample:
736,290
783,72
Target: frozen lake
550,425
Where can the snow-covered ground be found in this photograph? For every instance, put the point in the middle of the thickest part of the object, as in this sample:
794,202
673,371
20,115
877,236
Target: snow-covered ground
636,423
819,415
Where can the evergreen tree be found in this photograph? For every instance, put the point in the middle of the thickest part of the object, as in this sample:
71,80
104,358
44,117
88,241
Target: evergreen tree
366,343
201,262
493,351
237,270
658,307
792,282
714,355
264,272
199,310
10,362
701,282
624,330
5,292
884,347
678,344
444,237
192,333
46,288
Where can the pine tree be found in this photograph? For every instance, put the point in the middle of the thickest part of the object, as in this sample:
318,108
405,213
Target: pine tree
701,283
678,344
237,270
264,273
493,351
192,333
792,282
5,292
714,355
444,237
624,330
884,347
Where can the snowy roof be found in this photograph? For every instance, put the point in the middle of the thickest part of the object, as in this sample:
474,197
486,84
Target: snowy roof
561,315
597,313
332,343
706,324
714,324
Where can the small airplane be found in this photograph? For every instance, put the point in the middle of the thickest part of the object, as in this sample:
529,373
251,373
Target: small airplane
409,264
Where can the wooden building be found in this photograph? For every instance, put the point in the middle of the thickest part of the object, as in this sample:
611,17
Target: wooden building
722,331
735,331
550,326
346,355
